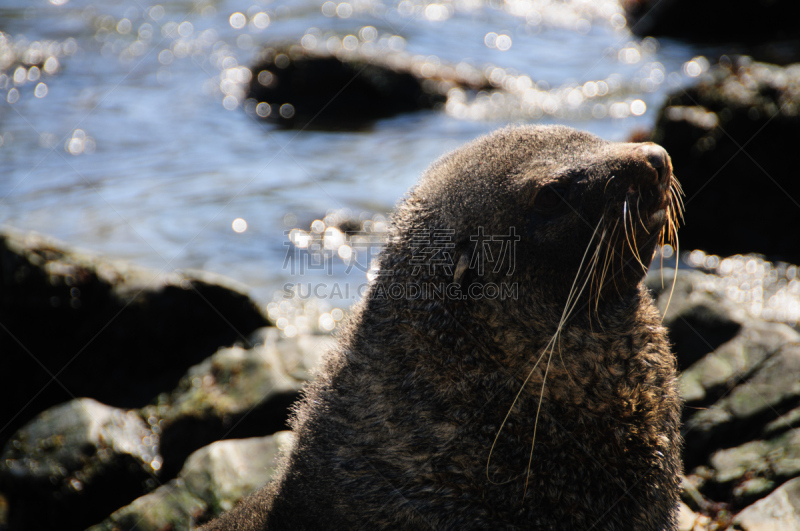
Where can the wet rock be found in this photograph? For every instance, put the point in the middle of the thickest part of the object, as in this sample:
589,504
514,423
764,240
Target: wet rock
212,481
699,320
727,138
733,361
169,507
717,341
713,20
223,473
310,87
751,471
235,393
299,355
741,414
738,377
74,464
780,511
80,325
326,92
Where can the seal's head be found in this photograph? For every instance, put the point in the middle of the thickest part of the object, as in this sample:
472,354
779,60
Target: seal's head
571,201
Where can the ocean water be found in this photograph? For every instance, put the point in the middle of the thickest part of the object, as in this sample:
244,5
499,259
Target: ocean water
122,128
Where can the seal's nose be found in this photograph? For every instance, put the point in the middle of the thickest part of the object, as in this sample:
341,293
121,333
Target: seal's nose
657,157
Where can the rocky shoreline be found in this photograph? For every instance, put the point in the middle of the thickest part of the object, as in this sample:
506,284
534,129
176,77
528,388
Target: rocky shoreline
193,450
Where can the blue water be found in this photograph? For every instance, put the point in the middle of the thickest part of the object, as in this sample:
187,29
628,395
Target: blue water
159,168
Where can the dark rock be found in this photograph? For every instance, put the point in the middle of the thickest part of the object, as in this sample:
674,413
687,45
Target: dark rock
780,511
74,464
727,137
699,321
742,414
301,88
235,393
734,361
713,20
783,423
212,481
79,325
754,469
328,93
739,380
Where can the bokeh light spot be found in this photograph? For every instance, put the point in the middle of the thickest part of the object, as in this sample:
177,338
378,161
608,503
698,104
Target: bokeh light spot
238,20
239,225
286,110
503,43
40,91
638,107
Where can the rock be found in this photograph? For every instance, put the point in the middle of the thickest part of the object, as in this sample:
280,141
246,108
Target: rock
75,463
75,324
727,138
235,393
310,87
733,361
739,380
169,507
783,423
299,355
699,320
718,342
772,388
686,518
753,469
224,472
300,90
780,511
212,481
713,20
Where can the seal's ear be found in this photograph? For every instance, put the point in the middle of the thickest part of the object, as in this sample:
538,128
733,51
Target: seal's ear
461,267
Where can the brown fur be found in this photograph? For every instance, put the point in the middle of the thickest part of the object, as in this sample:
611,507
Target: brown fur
397,431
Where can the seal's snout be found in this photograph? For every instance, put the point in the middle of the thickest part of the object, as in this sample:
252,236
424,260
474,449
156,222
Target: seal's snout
657,158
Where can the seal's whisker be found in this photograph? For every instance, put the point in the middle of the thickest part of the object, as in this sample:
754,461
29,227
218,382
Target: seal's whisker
677,194
635,248
609,259
550,345
639,213
597,282
508,414
674,279
536,421
627,214
565,315
605,188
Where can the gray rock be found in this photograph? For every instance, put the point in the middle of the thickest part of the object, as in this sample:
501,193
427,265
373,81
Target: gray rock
75,463
213,479
300,355
224,472
773,460
780,511
772,387
734,361
235,393
699,320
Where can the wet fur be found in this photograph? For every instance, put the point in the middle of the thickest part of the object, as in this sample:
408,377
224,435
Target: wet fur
398,429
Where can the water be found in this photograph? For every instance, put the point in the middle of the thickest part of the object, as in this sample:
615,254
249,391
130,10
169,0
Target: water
126,144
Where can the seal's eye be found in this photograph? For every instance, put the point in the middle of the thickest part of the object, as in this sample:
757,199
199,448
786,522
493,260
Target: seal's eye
549,198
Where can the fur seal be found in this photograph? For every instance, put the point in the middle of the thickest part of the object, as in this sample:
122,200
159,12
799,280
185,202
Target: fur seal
555,406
